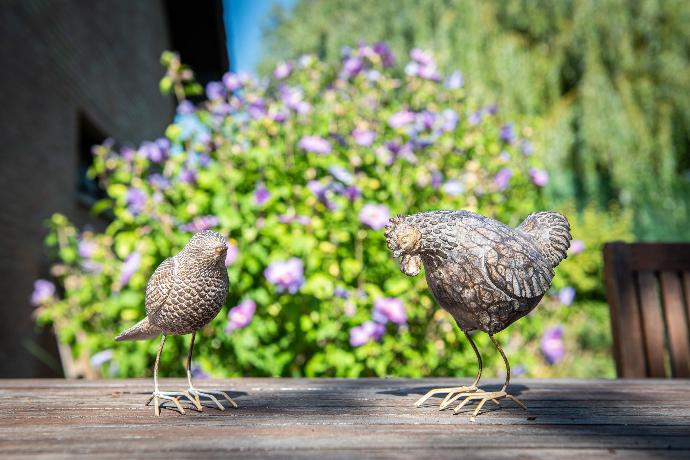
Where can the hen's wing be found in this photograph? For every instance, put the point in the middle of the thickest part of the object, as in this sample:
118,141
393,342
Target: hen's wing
159,286
515,266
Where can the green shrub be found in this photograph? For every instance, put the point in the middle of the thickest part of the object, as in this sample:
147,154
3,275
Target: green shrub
300,172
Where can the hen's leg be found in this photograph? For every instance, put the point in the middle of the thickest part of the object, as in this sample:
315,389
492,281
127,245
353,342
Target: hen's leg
194,394
157,395
489,395
455,390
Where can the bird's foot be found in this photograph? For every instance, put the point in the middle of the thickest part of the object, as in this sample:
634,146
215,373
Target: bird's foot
483,397
451,391
159,398
195,395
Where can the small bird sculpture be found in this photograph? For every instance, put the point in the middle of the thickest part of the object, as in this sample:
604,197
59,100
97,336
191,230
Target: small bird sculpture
184,294
485,274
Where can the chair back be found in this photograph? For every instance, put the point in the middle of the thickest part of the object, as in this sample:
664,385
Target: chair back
648,291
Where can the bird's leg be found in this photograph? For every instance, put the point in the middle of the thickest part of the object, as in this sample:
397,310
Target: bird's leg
455,390
157,395
483,397
194,394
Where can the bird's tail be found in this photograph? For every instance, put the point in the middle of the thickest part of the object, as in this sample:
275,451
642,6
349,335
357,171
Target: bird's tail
551,231
141,331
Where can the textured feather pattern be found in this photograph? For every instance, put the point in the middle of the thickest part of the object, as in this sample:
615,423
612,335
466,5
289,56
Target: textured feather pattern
551,233
186,291
141,331
486,274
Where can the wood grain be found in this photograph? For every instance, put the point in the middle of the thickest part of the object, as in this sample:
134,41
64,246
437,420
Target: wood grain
334,418
652,324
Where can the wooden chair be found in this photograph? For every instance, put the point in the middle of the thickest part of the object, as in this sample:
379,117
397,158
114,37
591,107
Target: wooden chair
648,290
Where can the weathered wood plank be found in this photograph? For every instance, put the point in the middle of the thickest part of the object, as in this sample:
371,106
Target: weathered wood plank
333,418
652,323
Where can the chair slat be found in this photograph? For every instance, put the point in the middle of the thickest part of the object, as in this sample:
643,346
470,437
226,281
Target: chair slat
652,324
686,288
625,317
676,324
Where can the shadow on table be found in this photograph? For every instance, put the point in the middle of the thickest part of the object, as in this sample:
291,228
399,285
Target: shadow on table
514,389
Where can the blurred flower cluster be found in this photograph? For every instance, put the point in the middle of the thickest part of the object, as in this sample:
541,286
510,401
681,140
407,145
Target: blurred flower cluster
300,170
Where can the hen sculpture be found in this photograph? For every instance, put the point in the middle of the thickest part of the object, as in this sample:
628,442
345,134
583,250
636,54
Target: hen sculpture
485,274
184,294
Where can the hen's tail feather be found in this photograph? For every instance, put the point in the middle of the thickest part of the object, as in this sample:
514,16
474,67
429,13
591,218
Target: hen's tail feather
551,231
141,331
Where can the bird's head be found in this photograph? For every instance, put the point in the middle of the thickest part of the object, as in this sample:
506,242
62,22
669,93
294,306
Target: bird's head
404,240
209,246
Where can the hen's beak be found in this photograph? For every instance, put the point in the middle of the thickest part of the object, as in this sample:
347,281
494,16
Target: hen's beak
220,250
397,253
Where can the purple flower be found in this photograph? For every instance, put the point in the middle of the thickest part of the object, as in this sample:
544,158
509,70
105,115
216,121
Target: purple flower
102,357
200,224
136,200
351,67
539,177
282,70
363,137
185,107
341,292
436,179
526,148
341,174
261,194
129,267
577,246
455,80
87,248
351,193
315,144
450,120
453,188
421,57
293,99
475,118
188,176
241,315
375,216
384,52
507,133
43,292
127,153
502,178
366,332
155,151
257,109
158,181
566,295
389,309
232,82
552,344
198,372
400,119
231,254
214,90
286,275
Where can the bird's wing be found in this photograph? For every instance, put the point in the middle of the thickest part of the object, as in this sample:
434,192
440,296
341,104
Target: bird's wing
516,268
159,286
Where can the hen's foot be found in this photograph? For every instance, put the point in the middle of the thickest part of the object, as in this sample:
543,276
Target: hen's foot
451,391
195,395
159,398
483,397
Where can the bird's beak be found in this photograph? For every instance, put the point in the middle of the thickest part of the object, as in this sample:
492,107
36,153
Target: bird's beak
220,250
397,253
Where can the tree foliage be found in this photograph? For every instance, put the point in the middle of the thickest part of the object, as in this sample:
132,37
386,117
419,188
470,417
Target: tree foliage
610,78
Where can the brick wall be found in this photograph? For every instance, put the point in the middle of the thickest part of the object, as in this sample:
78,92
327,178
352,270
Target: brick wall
59,58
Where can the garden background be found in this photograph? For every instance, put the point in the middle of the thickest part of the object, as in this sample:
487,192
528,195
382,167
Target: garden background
360,111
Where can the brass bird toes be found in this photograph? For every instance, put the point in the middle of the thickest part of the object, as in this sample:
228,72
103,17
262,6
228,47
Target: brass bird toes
483,397
160,398
451,391
195,395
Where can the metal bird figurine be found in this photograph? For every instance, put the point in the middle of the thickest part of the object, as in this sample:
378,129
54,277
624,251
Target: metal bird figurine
184,293
485,274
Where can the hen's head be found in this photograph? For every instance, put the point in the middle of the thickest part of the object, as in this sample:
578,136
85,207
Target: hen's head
404,240
207,247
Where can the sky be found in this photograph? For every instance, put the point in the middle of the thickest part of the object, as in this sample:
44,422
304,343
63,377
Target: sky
243,20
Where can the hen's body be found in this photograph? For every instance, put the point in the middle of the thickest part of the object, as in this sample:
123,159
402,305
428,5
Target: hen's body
484,273
186,291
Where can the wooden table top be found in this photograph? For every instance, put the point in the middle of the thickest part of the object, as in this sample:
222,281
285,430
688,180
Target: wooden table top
333,418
